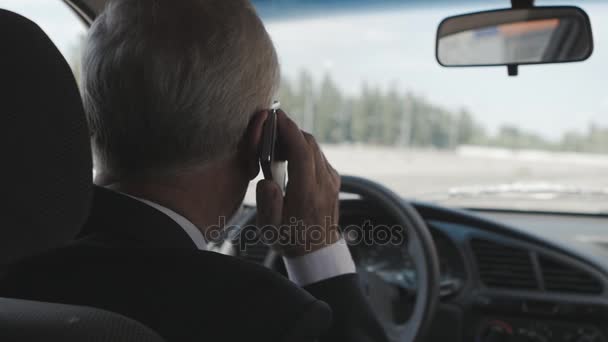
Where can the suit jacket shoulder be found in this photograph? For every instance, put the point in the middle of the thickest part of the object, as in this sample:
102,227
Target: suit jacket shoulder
134,260
117,220
183,295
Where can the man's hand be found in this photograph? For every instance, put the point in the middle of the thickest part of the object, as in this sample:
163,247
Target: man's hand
306,219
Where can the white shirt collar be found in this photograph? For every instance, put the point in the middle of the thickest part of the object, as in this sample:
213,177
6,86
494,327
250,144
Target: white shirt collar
328,262
193,232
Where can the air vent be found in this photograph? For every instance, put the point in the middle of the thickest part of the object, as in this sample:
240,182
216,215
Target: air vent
560,277
502,266
255,251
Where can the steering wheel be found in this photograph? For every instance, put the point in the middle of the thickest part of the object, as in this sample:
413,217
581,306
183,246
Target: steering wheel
417,250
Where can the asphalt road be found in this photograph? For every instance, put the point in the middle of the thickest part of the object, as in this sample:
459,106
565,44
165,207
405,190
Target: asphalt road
479,177
483,177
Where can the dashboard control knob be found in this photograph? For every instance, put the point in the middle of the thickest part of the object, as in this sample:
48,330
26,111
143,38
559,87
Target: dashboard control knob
589,338
497,335
588,335
496,331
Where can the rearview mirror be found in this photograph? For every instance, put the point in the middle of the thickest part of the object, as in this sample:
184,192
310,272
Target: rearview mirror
510,37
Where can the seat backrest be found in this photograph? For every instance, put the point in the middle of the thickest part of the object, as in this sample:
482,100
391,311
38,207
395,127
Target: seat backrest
44,144
46,173
22,320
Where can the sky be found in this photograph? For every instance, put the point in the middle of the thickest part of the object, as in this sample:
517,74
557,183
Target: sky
54,17
396,47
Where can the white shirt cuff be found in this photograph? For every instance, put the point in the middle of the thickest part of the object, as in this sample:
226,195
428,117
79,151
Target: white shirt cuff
327,262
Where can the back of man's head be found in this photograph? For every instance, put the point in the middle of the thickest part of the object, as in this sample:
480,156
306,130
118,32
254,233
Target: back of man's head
170,85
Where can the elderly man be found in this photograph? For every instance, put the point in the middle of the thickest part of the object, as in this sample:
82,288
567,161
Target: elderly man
176,95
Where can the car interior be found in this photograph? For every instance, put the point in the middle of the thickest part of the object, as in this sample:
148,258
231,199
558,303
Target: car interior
513,261
61,197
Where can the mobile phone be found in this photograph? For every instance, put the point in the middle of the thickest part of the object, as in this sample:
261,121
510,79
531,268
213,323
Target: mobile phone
272,168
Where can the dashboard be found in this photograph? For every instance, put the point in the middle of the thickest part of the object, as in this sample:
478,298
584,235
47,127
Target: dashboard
505,276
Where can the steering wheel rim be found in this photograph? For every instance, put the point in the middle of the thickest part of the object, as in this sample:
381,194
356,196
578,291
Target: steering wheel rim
419,236
427,268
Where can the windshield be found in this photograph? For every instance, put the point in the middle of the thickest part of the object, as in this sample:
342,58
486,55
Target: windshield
366,83
58,21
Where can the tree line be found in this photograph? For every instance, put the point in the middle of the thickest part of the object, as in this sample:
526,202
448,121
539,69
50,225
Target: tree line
388,117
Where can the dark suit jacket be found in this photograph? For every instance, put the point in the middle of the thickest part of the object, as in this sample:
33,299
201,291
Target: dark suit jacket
134,260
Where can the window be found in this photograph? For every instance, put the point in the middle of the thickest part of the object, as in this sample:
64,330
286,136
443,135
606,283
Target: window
59,22
364,80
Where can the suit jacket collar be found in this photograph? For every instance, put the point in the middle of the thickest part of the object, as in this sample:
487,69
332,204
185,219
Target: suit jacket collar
119,220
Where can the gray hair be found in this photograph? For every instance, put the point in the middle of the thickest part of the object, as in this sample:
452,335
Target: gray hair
169,84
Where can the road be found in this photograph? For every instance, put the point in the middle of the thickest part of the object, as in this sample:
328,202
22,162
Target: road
473,176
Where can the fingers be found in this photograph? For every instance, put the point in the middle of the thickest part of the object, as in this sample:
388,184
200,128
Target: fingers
317,155
324,170
248,147
269,203
253,134
293,144
303,153
312,191
334,176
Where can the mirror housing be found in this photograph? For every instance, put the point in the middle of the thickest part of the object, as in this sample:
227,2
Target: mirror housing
515,36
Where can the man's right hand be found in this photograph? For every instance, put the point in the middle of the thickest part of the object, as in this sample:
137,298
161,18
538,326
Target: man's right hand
310,204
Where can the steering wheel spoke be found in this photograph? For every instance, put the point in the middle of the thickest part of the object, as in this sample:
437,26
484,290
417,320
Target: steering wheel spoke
399,272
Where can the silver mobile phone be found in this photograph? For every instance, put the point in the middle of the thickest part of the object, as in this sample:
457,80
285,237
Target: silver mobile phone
272,168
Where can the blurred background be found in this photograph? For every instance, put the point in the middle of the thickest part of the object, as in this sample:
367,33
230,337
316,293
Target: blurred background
362,77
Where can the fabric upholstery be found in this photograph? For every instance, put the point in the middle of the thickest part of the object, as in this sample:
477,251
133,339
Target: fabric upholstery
184,295
22,320
47,183
44,144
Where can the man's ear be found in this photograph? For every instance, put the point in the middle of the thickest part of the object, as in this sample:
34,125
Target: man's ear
249,146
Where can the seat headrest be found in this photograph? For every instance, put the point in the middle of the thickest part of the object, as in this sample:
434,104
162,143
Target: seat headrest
46,167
